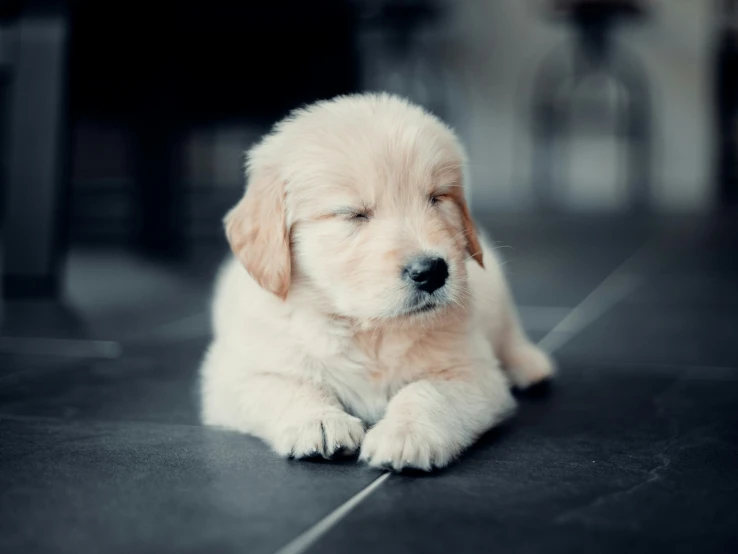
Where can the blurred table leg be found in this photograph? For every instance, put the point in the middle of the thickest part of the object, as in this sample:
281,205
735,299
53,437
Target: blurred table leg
37,157
726,115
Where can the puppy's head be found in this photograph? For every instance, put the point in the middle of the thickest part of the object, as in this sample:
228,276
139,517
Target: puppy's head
357,203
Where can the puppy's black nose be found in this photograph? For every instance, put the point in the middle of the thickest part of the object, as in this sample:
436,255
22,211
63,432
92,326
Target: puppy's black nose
428,274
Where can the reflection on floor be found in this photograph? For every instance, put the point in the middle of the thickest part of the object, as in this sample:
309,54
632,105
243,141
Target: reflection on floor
633,449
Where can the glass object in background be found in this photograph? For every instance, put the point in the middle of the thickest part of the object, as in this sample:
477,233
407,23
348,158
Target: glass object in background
585,87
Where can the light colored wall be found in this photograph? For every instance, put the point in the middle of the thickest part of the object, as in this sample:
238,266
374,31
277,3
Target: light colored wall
493,48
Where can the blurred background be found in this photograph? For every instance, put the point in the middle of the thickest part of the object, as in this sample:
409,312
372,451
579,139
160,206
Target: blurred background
603,143
125,124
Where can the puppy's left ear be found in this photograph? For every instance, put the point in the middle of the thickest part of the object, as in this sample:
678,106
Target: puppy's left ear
473,246
257,232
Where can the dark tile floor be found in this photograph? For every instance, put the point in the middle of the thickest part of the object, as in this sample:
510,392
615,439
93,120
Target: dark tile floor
634,448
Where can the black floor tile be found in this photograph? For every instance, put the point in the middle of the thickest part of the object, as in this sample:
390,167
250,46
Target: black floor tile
700,273
630,451
42,318
614,460
14,364
114,296
554,263
157,383
685,311
696,291
666,337
81,487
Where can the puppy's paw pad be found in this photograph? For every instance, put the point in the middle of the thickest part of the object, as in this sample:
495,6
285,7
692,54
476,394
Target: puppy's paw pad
529,366
398,446
325,435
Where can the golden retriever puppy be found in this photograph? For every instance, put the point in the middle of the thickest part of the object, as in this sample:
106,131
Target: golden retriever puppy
361,296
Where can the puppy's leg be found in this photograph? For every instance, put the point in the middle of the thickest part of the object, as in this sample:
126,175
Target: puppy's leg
430,422
523,361
296,418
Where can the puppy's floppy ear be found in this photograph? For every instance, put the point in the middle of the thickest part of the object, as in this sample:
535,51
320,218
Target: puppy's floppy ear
257,231
473,246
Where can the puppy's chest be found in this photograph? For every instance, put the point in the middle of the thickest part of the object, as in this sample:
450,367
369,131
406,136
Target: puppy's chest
370,371
387,364
378,359
389,358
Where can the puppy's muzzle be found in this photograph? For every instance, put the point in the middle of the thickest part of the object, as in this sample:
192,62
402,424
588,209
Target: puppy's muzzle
427,273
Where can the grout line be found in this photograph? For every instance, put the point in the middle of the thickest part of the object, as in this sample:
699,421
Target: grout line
178,325
61,419
542,318
63,348
190,325
302,542
615,287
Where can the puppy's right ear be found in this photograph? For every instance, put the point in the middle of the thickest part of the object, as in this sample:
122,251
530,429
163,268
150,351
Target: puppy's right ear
257,232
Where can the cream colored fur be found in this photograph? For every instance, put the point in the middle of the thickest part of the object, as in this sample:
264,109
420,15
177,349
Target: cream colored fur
316,347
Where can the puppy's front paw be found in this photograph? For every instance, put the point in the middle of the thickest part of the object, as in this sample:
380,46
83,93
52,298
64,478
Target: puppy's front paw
529,365
402,445
322,435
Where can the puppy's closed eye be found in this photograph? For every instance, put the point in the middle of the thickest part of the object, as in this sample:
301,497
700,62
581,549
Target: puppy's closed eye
435,199
356,216
440,195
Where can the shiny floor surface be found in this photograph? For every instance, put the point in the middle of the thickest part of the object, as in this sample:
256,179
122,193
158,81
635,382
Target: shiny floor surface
634,449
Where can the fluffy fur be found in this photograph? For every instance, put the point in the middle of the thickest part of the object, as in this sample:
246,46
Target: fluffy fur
318,336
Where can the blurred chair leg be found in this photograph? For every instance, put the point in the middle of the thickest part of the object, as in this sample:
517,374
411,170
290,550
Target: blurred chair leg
636,129
640,145
545,132
725,111
37,167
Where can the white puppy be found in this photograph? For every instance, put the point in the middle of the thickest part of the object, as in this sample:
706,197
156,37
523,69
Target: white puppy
360,295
